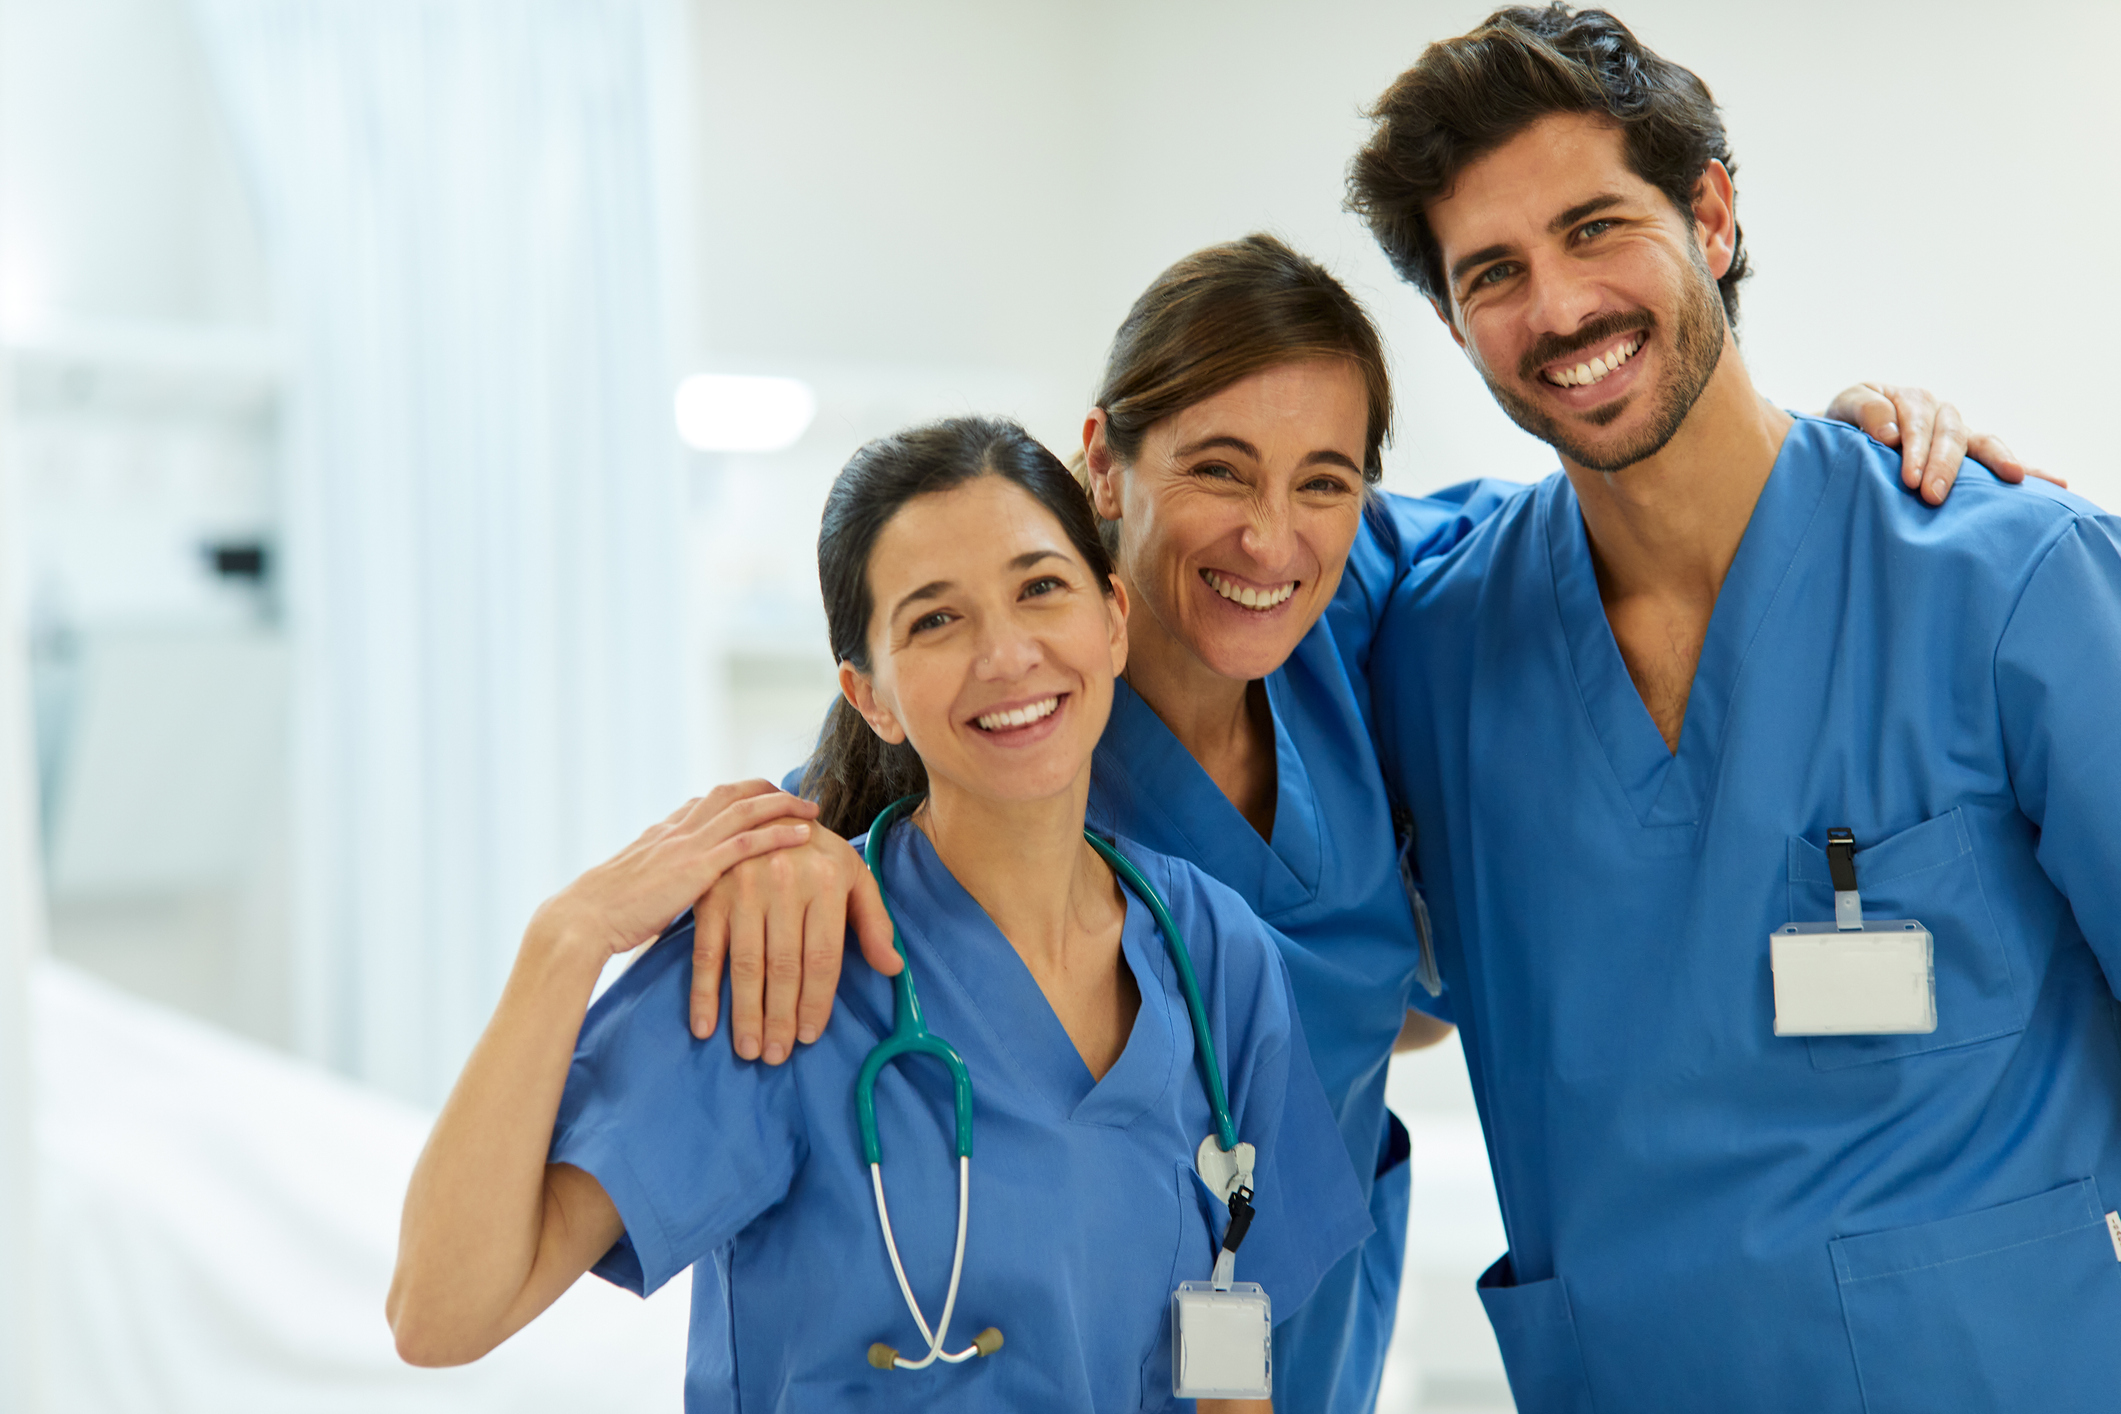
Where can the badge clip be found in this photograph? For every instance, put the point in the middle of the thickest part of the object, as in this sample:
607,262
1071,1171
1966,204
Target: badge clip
1222,1330
1852,977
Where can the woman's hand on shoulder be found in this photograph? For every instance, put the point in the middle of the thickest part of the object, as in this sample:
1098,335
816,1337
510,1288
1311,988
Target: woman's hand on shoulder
1931,436
780,921
630,898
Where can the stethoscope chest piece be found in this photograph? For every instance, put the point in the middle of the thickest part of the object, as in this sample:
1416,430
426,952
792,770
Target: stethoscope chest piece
1224,1171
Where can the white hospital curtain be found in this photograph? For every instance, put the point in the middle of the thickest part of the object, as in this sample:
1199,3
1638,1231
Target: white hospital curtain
21,940
460,201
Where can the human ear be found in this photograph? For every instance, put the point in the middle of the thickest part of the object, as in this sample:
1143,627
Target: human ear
1102,466
860,692
1448,323
1715,215
1116,610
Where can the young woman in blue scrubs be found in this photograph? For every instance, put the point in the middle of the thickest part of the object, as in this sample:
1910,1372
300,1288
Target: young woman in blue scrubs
979,630
1233,454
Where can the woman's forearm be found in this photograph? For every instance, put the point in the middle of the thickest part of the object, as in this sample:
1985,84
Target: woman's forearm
484,1234
492,1235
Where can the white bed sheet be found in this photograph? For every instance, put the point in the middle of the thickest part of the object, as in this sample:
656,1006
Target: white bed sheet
219,1223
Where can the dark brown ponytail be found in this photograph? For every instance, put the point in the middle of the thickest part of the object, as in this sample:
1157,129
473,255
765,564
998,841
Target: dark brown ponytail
855,773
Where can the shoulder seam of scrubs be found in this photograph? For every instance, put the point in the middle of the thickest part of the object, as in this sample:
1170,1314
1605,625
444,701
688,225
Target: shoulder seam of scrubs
2073,525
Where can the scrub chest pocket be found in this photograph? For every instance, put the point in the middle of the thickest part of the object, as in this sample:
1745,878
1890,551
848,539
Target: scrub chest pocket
1932,874
1968,1312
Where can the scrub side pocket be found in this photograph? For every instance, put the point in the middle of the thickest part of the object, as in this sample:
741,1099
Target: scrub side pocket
2011,1307
1536,1331
1931,873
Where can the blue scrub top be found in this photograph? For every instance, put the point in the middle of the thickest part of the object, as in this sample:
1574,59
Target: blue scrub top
1085,1209
1701,1214
1328,881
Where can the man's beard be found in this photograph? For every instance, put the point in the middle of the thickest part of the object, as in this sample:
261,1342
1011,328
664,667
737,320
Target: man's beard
1697,347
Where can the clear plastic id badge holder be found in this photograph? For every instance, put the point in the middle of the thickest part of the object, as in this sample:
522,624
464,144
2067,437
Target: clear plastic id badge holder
1851,977
1222,1330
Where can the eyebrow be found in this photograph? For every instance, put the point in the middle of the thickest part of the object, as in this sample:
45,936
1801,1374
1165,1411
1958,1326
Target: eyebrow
1582,209
1235,444
1324,456
1591,206
937,588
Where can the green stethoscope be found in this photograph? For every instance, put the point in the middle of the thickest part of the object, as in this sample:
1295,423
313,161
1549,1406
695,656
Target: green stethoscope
910,1036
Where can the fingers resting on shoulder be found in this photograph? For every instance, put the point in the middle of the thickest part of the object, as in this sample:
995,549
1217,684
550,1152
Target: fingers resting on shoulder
778,922
1931,436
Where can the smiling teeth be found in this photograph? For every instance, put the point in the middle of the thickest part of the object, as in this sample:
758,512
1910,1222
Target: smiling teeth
1597,368
1249,598
1019,716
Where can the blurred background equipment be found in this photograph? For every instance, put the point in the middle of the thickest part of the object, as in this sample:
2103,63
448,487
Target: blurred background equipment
370,560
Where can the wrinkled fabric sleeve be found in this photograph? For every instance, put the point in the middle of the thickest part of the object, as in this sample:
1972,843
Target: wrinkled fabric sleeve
1308,1208
690,1142
1399,532
2058,680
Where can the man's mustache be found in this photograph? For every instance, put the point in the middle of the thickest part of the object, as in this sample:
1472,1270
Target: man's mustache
1552,347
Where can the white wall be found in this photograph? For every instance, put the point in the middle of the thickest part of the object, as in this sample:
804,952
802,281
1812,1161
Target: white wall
120,198
948,182
894,185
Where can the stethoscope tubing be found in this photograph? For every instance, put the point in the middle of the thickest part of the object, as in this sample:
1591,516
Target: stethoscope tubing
1211,1069
957,1267
910,1033
910,1036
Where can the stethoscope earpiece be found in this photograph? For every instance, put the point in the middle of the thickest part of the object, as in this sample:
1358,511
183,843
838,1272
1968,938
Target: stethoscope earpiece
886,1357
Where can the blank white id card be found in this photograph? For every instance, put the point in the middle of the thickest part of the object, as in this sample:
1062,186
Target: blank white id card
1877,980
1222,1342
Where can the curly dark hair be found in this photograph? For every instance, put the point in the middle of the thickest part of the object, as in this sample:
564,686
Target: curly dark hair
1468,96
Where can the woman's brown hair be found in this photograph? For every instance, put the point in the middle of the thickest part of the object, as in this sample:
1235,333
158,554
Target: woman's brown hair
1221,315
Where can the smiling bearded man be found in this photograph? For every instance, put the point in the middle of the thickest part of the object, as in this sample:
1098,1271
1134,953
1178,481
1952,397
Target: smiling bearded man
1783,935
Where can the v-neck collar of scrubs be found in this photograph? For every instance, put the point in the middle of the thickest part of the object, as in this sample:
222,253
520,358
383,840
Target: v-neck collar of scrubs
1219,838
982,964
1665,787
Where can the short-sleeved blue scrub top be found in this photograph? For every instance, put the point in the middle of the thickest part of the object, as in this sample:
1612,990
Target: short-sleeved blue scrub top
1701,1214
1328,881
1085,1207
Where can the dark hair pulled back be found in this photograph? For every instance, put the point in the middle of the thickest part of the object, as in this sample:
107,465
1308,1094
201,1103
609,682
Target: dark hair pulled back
854,773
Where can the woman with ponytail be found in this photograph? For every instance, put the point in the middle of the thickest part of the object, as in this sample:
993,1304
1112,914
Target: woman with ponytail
980,630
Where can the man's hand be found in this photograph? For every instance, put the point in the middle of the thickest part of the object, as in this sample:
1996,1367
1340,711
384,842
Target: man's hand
780,920
1931,437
